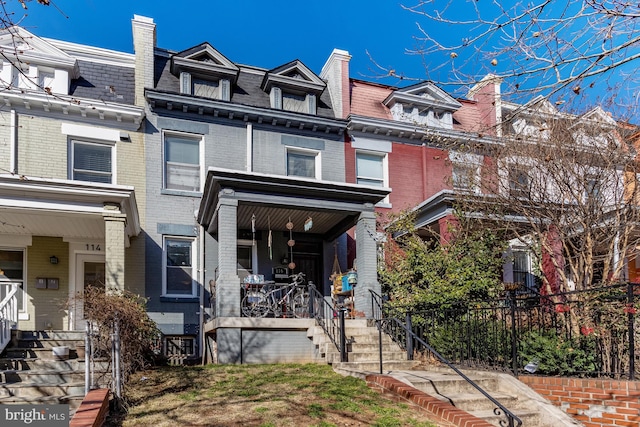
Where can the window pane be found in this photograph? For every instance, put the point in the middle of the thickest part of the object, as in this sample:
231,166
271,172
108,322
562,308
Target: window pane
205,88
12,270
463,176
295,103
370,170
182,163
245,258
179,267
92,162
301,164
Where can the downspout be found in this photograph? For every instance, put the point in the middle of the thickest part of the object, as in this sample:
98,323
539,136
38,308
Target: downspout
249,147
424,171
201,278
13,150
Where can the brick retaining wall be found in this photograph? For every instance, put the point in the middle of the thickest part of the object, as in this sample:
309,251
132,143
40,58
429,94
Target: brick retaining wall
594,402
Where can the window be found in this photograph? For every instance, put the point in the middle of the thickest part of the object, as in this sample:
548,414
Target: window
593,189
12,269
464,177
45,79
522,269
370,169
91,162
182,162
245,258
178,263
205,88
305,163
518,182
295,102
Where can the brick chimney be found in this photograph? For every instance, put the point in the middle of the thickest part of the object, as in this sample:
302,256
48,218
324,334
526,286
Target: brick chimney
487,95
144,43
336,73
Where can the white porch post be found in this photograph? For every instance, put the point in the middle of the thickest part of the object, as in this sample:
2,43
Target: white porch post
114,239
228,283
367,262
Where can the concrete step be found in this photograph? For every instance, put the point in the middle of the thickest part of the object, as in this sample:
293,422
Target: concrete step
64,365
73,400
334,356
439,383
478,402
387,365
29,390
32,353
529,417
45,376
48,343
51,335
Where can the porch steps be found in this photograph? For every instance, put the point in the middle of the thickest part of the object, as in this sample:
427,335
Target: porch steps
29,373
362,348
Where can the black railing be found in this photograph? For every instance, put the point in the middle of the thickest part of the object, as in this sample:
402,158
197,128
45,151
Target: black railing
330,319
398,330
587,333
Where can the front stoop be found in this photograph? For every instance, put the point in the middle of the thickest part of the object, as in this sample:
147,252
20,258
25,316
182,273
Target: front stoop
30,374
362,349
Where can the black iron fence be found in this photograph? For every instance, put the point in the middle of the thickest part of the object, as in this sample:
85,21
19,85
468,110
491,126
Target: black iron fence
589,333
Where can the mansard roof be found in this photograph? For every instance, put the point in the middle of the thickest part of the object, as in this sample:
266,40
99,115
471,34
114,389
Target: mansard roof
16,43
203,59
425,95
293,76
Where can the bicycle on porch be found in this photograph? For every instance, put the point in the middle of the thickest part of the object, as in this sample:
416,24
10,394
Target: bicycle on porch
289,300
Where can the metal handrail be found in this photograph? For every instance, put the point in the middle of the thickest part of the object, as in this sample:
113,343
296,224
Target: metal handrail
327,317
8,313
378,312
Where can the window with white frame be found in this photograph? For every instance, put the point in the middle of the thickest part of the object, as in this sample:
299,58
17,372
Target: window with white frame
46,78
182,161
518,182
371,168
179,269
304,163
465,177
522,268
91,161
12,270
205,88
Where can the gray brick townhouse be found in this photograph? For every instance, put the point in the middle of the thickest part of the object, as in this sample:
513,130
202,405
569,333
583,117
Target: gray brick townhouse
238,160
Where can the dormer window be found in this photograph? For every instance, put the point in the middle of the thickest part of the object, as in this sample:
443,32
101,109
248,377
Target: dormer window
293,87
205,72
423,104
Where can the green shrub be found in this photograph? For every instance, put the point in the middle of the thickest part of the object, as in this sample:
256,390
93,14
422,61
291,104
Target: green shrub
555,356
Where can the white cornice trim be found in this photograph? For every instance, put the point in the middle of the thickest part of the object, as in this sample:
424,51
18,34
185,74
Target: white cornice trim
95,54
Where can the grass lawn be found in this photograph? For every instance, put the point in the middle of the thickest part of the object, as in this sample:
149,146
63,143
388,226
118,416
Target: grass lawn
259,395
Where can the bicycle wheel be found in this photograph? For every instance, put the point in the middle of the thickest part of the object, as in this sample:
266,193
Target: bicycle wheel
300,304
255,304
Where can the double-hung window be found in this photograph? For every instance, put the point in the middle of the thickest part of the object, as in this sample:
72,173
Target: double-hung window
182,161
179,267
370,169
304,163
464,177
518,182
92,161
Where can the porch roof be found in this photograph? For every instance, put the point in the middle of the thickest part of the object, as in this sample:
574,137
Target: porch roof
275,200
62,208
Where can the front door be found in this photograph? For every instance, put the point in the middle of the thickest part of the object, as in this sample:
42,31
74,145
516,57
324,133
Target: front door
90,271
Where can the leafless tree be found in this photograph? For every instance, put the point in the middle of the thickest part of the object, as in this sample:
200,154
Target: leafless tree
565,186
545,47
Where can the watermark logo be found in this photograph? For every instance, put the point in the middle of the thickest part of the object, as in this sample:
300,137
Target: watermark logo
34,415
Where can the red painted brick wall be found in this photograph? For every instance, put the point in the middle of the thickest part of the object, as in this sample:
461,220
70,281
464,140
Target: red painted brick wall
593,402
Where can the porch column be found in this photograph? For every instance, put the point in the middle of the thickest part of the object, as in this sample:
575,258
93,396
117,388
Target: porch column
228,282
114,241
367,257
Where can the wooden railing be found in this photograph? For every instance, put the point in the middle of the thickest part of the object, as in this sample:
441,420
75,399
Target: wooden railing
8,312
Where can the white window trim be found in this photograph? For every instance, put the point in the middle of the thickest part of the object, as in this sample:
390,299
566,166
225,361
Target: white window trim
23,312
475,188
83,140
306,151
384,203
201,168
194,266
254,253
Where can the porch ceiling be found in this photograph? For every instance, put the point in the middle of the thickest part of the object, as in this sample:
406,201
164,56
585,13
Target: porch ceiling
69,209
274,200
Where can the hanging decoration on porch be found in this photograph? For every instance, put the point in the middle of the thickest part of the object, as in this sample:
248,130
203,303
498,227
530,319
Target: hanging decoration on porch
253,229
291,243
270,239
308,224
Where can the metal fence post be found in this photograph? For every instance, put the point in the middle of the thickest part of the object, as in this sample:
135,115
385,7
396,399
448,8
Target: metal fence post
631,321
514,339
343,336
312,300
87,362
409,339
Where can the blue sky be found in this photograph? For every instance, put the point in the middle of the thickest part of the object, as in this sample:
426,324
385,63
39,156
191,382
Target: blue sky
269,33
260,33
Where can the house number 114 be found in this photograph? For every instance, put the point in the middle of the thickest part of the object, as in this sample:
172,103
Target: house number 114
93,248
